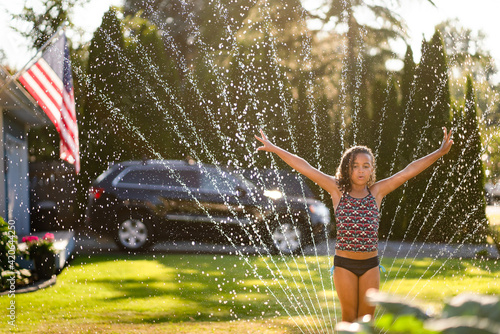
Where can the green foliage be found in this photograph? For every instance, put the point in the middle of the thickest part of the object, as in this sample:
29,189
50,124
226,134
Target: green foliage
152,80
492,153
474,178
9,268
424,208
106,140
482,254
175,293
392,159
427,193
473,305
191,22
8,244
397,306
43,25
464,313
467,56
468,176
388,124
408,324
494,232
173,79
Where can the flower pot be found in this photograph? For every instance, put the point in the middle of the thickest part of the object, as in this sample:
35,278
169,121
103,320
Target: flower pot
45,265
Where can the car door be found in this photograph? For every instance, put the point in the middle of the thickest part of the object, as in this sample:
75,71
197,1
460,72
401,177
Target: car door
162,190
223,197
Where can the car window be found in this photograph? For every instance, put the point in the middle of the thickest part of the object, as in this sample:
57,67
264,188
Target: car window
292,185
163,177
273,180
221,181
244,181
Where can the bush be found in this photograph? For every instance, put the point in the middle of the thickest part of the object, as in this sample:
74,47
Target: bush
8,251
494,232
39,247
465,313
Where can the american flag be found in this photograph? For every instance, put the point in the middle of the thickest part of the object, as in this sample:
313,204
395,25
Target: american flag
50,82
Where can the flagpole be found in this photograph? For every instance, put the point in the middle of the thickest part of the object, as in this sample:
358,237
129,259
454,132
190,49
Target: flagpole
36,56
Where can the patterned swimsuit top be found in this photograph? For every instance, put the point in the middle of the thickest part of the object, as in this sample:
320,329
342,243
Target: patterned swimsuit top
357,223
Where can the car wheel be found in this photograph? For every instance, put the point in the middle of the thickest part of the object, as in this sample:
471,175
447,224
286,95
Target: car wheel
285,238
134,233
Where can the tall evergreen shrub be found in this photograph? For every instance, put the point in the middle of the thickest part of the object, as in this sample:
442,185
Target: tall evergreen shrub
469,191
431,110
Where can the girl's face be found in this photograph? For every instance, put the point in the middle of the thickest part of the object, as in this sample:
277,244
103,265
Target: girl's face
362,169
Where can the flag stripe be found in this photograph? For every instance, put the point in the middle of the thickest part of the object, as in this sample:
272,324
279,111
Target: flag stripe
49,81
51,107
42,64
44,89
46,78
39,96
44,73
48,107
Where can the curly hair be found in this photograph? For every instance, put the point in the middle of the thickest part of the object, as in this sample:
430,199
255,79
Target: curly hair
343,174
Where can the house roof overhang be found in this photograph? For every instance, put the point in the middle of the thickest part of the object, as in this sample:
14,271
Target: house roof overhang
18,104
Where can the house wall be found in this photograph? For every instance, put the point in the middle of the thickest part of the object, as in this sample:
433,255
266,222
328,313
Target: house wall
16,174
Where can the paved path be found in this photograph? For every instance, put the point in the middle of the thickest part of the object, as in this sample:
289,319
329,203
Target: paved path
91,244
86,244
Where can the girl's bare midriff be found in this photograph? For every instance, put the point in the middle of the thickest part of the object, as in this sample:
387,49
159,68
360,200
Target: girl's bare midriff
356,255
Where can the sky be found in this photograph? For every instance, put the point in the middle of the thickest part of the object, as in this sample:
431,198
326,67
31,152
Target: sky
419,15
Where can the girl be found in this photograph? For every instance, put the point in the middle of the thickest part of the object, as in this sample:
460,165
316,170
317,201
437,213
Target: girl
356,201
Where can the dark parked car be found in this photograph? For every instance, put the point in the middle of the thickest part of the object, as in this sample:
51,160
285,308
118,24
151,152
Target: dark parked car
291,187
141,202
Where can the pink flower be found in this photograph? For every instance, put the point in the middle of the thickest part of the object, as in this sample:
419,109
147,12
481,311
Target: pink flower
25,239
32,238
49,236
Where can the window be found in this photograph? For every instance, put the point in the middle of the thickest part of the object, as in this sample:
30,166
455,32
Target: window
162,177
291,183
214,181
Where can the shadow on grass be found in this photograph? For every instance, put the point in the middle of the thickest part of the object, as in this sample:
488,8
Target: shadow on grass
208,287
160,288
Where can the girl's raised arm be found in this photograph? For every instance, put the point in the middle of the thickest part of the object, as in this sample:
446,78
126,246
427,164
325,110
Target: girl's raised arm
327,182
385,186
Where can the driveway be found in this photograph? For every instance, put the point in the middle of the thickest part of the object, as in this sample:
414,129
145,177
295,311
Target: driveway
90,244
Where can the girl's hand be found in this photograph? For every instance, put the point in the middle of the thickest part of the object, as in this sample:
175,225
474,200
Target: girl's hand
447,142
267,145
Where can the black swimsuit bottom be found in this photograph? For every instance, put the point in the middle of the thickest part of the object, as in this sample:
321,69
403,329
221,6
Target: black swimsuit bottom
357,267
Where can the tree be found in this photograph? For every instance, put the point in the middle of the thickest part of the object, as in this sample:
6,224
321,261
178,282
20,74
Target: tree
468,57
45,23
359,34
153,84
395,218
429,111
466,52
389,122
107,139
471,202
193,25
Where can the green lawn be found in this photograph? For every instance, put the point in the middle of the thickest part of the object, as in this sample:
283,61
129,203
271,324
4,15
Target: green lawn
221,294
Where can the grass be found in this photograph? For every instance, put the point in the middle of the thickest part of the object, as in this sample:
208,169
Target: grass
166,293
